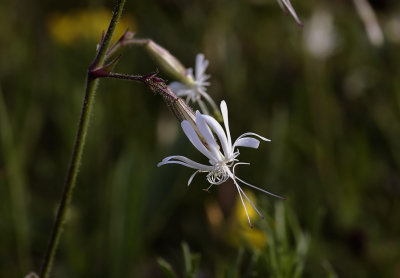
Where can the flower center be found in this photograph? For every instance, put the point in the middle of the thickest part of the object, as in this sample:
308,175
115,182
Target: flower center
219,174
221,171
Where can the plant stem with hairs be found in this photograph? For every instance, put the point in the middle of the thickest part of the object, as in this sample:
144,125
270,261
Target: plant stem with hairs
91,85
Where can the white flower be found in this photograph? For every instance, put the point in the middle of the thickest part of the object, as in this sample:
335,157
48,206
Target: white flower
194,90
320,36
286,5
222,157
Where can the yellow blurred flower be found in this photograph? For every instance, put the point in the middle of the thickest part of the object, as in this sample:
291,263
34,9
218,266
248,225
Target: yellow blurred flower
241,233
85,25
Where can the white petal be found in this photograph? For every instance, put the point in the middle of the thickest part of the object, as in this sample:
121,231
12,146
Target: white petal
208,136
247,142
190,72
181,90
202,81
253,134
177,86
191,177
208,98
187,92
201,66
219,131
224,111
202,106
182,160
195,140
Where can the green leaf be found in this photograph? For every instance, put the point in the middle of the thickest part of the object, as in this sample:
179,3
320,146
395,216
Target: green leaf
166,268
187,259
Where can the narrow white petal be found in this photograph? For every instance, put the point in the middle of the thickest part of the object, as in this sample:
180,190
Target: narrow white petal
177,86
253,134
202,81
185,92
224,111
208,136
201,66
199,62
190,72
203,107
262,190
219,131
247,142
176,162
191,177
178,159
209,99
195,140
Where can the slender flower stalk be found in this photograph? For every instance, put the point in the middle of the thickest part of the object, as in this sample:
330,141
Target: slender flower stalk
208,137
190,85
169,63
91,85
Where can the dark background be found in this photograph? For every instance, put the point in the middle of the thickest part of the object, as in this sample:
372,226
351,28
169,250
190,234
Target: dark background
327,97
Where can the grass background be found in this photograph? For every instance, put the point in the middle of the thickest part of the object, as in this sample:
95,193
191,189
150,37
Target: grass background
333,118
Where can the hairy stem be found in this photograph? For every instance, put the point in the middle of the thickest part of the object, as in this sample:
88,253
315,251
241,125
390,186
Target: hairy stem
91,85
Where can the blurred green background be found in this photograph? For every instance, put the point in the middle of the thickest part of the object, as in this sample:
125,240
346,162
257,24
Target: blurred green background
326,95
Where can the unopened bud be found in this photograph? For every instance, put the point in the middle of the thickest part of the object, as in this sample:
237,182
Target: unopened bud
168,62
177,105
183,112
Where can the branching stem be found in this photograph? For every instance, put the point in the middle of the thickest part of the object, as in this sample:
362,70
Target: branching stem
91,85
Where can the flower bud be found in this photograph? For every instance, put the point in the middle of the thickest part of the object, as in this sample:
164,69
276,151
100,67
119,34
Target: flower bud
177,105
168,62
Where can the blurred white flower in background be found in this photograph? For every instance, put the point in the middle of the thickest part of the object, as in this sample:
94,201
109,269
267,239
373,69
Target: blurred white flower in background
320,37
194,90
